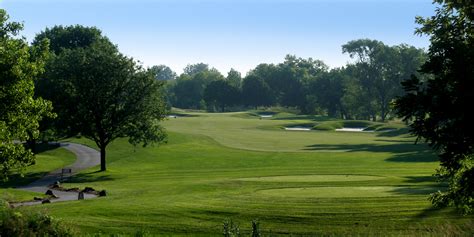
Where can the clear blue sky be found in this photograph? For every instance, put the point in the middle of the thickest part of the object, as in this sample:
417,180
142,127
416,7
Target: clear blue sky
230,33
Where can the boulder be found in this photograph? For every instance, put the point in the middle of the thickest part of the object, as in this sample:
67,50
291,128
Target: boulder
73,190
102,193
46,201
49,192
88,190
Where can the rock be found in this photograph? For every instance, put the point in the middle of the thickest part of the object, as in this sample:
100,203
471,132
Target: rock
55,186
102,193
88,190
73,190
49,192
37,199
46,201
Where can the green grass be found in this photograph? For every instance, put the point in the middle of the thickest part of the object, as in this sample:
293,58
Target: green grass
217,167
50,158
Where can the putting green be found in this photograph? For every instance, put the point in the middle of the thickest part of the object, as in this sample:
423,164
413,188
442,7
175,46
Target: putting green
332,192
313,178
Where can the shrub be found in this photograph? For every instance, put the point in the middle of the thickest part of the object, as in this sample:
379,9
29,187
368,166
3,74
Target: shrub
14,222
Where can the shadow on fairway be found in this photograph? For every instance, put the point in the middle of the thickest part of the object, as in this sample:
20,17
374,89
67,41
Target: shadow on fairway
420,179
417,190
90,177
44,147
394,133
392,148
305,117
403,152
16,180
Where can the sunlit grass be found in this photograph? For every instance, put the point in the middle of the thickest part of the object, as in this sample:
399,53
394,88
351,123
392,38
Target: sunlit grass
221,166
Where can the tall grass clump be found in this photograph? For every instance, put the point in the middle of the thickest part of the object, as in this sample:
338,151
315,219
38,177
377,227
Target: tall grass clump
14,222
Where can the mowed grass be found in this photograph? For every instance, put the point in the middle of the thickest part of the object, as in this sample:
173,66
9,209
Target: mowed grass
50,158
217,167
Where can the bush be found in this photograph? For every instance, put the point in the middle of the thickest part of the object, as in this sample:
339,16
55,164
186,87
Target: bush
14,222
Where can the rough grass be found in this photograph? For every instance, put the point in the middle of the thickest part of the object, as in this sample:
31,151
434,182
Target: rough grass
217,167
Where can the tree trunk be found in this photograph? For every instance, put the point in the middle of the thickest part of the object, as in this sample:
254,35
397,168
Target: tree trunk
102,158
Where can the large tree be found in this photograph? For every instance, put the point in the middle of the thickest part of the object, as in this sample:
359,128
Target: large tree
20,112
221,93
163,73
438,105
256,92
378,70
103,95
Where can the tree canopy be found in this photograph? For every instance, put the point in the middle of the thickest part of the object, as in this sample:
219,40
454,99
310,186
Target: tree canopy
103,95
437,105
20,113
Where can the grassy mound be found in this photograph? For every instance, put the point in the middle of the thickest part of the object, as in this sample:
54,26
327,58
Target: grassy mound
332,125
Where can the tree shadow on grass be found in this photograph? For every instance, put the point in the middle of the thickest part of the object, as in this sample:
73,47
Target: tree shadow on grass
402,152
305,117
90,177
417,190
16,180
394,133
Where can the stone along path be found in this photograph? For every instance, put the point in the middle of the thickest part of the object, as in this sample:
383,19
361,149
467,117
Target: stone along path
86,157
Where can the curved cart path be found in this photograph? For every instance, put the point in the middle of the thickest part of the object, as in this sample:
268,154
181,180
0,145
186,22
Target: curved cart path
86,157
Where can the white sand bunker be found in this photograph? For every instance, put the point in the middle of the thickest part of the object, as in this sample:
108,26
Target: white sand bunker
332,192
352,130
297,129
266,116
172,116
313,178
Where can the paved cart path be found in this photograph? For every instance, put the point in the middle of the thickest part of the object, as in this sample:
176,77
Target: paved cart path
86,157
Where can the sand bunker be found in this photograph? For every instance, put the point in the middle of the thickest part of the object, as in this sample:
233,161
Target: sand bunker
266,116
352,130
332,192
313,178
298,129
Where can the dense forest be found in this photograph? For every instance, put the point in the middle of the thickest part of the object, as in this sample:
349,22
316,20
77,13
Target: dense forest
363,89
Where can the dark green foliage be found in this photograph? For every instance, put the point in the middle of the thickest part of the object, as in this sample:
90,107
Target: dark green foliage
18,223
377,75
20,112
256,92
68,37
103,95
163,73
221,94
438,106
234,78
188,90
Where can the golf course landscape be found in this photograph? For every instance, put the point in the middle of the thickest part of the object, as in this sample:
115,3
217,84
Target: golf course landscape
242,166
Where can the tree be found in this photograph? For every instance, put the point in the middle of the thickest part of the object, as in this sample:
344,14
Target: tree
234,78
110,96
256,92
68,37
327,91
437,106
163,73
20,111
379,70
221,94
193,69
189,89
